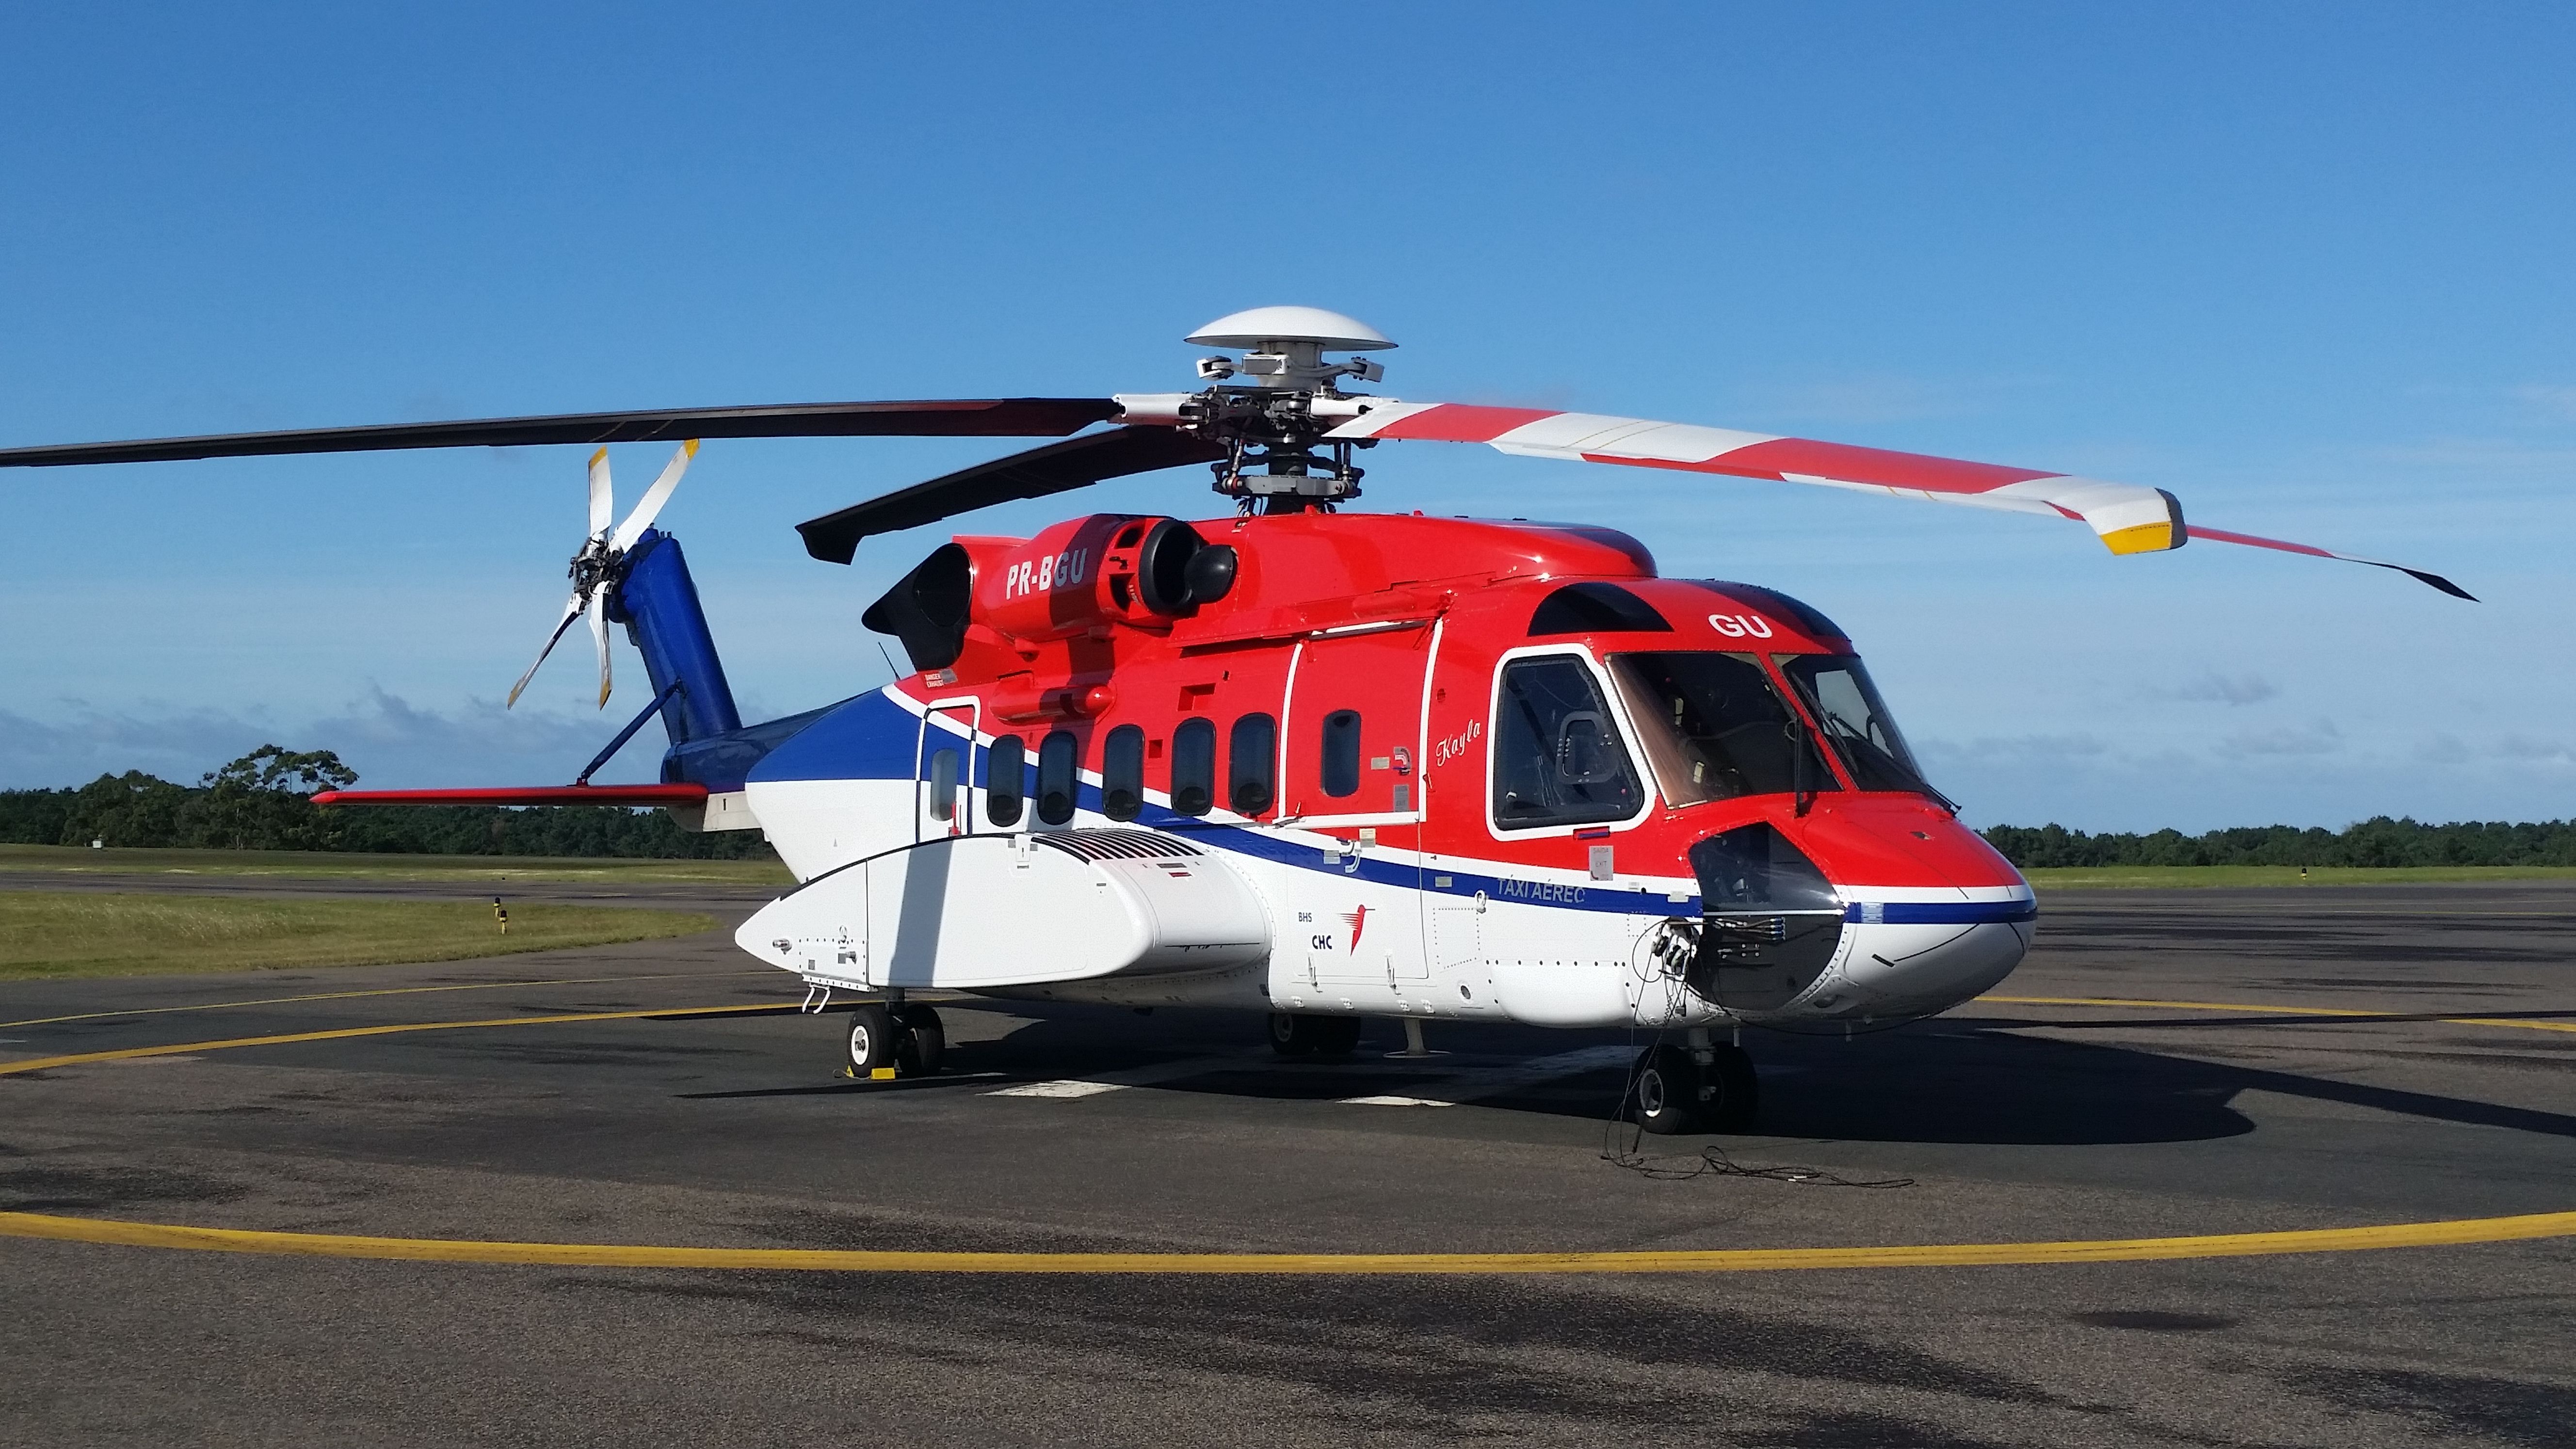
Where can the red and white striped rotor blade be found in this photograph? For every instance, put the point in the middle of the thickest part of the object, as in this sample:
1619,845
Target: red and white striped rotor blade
2126,517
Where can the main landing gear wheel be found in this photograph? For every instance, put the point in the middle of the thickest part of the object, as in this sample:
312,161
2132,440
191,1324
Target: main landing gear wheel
921,1041
1294,1035
1675,1094
873,1040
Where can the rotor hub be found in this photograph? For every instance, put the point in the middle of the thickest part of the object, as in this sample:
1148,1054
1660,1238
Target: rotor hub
1277,458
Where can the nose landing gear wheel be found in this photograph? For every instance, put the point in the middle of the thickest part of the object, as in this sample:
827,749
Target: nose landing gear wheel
1665,1087
1735,1098
1675,1094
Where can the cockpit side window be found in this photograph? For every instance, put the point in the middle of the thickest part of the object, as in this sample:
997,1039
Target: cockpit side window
1558,758
1848,710
1713,727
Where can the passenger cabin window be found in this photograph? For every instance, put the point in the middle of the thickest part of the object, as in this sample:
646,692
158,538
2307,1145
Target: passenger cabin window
1341,764
1005,780
1057,758
1713,727
1252,765
1558,759
1193,767
1847,708
943,785
1122,773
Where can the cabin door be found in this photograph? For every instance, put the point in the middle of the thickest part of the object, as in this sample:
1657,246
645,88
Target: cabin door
1351,769
944,770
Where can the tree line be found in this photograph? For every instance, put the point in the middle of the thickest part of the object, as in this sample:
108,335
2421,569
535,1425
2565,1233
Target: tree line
263,801
2378,841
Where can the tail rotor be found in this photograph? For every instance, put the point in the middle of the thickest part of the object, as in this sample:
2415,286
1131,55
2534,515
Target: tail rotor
596,568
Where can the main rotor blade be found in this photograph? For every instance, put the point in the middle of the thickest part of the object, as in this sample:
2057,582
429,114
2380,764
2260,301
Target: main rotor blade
603,495
1055,468
649,506
2220,535
2128,518
1013,417
571,612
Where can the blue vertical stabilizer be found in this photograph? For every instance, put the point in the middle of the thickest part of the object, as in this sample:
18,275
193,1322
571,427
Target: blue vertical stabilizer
658,604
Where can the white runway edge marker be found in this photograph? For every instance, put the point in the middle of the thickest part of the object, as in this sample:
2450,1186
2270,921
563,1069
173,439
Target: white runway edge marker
1475,1082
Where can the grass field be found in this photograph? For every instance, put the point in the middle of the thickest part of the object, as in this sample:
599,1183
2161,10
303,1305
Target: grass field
55,935
2170,877
330,865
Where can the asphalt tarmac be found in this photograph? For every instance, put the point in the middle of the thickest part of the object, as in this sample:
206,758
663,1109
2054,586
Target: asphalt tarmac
1094,1131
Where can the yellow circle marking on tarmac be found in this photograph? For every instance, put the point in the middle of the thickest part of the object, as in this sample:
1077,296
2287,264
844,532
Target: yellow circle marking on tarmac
1717,1260
2277,1010
2450,1232
38,1064
387,991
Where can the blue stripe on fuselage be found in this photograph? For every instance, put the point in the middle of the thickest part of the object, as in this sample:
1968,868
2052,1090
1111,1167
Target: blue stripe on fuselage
1939,913
872,738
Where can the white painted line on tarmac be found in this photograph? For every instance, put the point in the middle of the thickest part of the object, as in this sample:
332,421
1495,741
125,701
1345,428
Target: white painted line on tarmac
1058,1089
1464,1084
1475,1082
1118,1081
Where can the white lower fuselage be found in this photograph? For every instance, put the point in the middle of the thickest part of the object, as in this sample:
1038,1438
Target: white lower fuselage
1266,916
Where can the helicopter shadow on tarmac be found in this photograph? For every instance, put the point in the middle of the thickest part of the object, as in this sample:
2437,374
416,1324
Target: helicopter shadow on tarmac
1965,1080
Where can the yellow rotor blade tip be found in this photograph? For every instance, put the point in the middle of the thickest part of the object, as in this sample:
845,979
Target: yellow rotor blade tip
2144,538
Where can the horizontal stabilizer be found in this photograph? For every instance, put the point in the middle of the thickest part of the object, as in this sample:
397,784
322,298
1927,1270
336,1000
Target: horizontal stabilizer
628,795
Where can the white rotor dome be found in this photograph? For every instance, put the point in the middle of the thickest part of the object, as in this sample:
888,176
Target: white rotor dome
1290,324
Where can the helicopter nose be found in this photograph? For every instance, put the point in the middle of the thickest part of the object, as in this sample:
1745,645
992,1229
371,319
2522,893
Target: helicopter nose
1900,971
1876,909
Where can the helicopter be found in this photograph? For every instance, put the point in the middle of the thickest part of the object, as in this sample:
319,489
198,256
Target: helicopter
1305,762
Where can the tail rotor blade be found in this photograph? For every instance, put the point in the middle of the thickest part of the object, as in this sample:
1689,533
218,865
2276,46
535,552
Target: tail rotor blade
571,612
603,495
599,631
654,497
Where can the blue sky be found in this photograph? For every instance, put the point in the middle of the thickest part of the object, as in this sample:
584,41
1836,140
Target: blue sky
2304,265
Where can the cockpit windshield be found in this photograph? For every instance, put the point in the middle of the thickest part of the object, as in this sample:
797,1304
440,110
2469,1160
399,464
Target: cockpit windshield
1847,708
1713,726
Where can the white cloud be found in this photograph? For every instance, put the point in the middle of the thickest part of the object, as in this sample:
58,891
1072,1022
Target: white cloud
389,741
2554,402
2527,747
2213,687
2320,738
2021,747
2443,750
